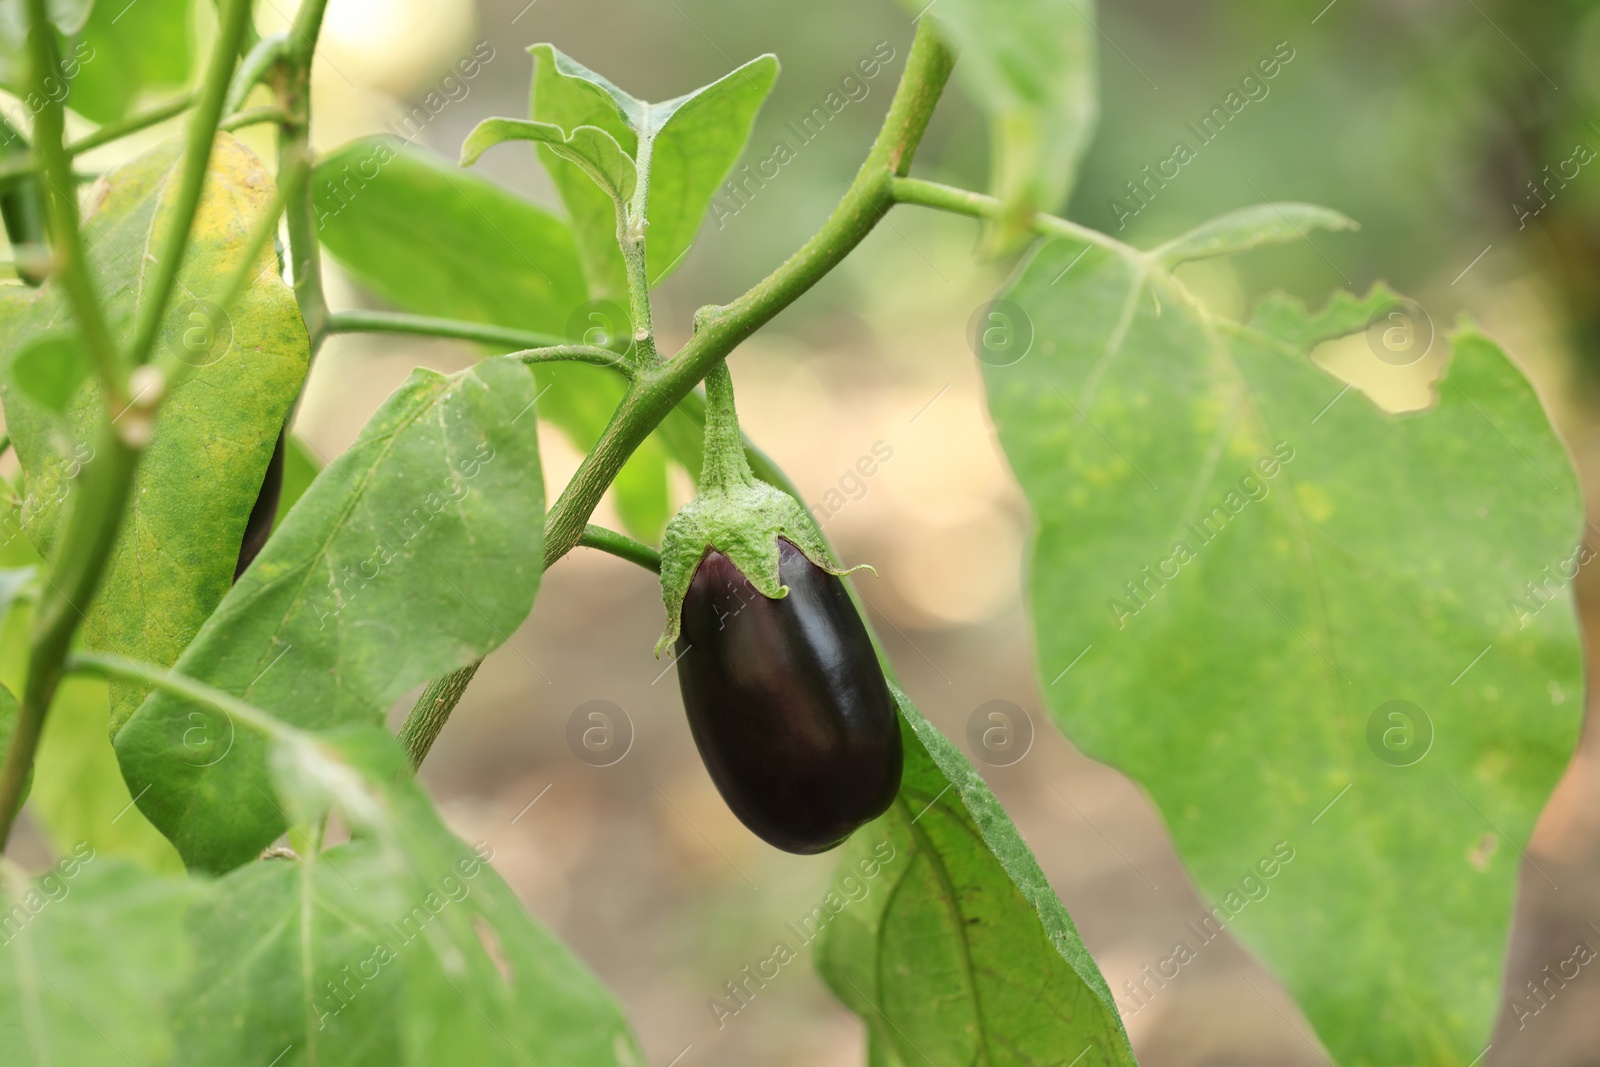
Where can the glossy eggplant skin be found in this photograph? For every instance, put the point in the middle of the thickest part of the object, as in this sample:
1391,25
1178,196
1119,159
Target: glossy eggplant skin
787,703
259,525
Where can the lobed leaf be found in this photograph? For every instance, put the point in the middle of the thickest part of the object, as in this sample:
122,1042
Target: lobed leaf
693,142
415,552
949,942
1245,569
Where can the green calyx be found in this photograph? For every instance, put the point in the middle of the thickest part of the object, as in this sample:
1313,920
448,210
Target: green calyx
734,514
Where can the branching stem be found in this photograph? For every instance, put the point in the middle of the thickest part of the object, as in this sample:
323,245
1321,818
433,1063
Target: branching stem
657,388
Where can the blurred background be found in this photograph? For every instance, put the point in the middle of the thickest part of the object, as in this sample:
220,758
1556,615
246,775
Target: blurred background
1459,133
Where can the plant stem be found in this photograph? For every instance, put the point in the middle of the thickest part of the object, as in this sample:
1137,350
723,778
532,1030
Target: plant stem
724,466
599,357
255,116
718,330
631,224
22,163
94,515
75,569
978,206
294,169
429,326
432,710
61,214
622,546
109,665
143,120
191,183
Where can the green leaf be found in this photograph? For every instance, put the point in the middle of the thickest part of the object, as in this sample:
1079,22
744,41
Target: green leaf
1030,64
68,17
948,941
9,709
1251,227
415,552
50,369
128,47
404,948
570,96
692,140
696,144
594,150
79,794
1243,567
199,478
434,240
90,954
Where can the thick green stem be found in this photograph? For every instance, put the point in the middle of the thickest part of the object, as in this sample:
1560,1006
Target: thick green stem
191,182
432,709
75,570
657,389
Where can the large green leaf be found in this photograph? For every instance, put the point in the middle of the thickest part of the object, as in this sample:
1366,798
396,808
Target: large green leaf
404,948
128,47
90,952
199,478
1239,569
434,240
942,933
1031,65
415,552
692,142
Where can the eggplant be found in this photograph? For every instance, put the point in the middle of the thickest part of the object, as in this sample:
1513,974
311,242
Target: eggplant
258,527
787,703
